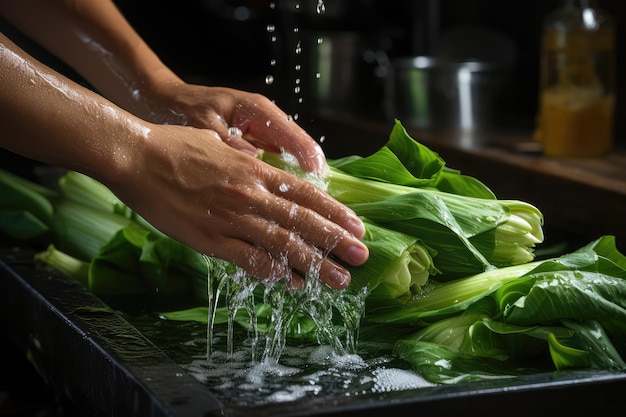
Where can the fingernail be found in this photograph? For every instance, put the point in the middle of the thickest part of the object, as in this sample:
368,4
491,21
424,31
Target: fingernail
357,255
356,226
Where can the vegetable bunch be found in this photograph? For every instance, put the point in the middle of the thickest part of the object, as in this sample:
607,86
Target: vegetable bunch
452,282
456,219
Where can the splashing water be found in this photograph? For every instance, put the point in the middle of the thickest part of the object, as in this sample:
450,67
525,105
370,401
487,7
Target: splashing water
335,313
234,132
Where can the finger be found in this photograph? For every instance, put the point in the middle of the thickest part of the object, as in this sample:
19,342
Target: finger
268,127
255,260
307,224
232,136
308,197
303,147
291,249
241,144
269,267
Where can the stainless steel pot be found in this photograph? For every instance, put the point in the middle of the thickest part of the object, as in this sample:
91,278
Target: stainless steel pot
428,93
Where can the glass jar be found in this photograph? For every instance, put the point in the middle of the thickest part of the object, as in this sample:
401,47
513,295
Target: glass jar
577,81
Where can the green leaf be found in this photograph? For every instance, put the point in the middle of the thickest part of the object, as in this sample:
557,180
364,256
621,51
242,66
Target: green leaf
22,224
135,261
404,161
590,346
21,195
446,224
574,294
447,365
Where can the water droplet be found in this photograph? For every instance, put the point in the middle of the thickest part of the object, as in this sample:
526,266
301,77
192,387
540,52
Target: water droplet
295,116
272,5
318,75
322,139
273,62
296,89
269,80
320,41
300,100
298,48
268,123
296,30
298,67
289,118
297,80
271,28
321,7
297,6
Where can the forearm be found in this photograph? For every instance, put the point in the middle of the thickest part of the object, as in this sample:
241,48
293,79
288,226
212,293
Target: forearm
93,37
47,117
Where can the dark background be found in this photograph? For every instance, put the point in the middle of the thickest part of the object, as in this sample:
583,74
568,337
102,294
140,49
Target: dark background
226,41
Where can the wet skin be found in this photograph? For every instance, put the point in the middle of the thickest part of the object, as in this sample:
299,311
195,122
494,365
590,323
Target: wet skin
167,148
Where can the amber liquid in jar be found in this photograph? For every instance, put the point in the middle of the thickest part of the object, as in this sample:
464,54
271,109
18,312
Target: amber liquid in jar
576,97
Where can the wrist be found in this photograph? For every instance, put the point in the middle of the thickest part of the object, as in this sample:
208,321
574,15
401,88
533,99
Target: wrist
152,99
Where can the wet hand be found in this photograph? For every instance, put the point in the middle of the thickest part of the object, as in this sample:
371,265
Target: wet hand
230,205
245,121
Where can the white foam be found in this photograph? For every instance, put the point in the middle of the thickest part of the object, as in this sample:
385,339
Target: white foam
391,379
293,392
325,355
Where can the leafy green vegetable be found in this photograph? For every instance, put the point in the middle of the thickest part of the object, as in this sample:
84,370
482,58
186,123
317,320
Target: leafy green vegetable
93,237
26,208
66,264
568,309
399,265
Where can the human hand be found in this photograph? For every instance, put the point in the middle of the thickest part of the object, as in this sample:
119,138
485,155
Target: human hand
258,122
228,204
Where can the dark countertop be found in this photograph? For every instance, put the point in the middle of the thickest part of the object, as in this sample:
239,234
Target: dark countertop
89,354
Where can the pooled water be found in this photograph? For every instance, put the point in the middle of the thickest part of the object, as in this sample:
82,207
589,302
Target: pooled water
304,371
